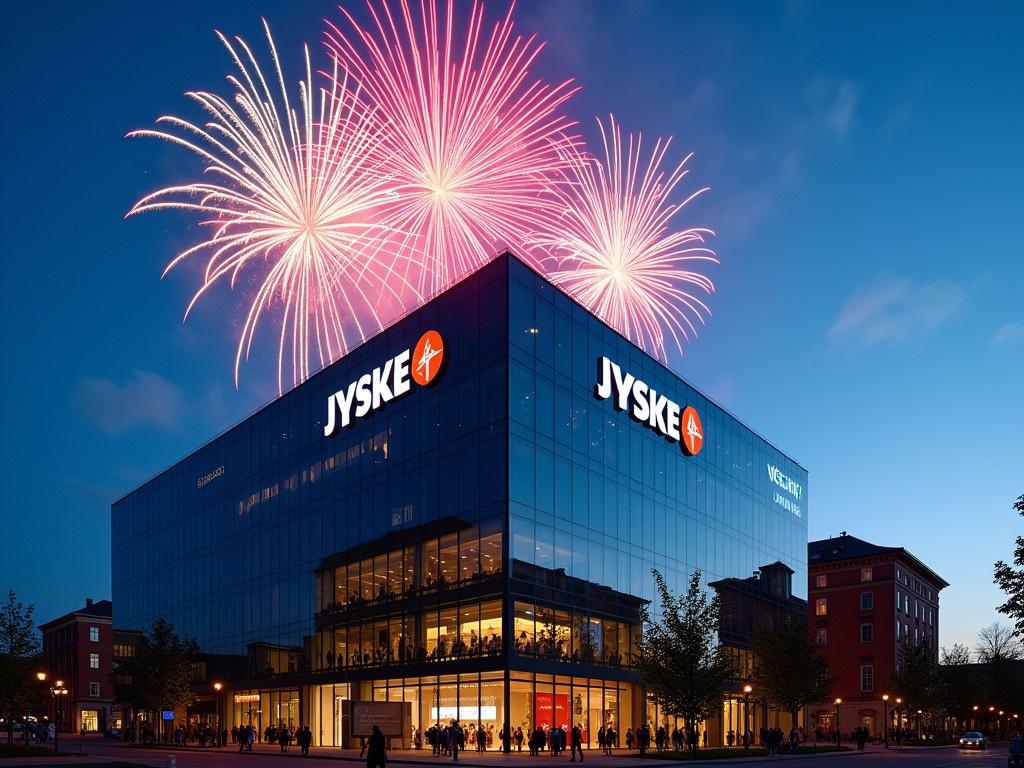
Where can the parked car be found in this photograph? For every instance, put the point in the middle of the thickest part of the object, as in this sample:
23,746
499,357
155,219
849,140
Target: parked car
973,740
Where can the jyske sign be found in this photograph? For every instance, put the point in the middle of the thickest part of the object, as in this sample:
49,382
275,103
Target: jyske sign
647,406
422,365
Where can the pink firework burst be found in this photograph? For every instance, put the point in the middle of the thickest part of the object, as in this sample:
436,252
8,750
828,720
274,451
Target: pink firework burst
289,203
613,246
469,139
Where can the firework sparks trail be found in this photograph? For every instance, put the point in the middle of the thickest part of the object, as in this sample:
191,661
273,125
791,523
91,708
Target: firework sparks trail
613,249
470,140
290,204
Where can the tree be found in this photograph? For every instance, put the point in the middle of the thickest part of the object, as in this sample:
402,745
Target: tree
19,651
958,685
999,650
916,679
1010,579
679,658
159,675
790,667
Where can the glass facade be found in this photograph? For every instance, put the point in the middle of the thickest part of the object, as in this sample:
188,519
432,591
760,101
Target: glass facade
478,549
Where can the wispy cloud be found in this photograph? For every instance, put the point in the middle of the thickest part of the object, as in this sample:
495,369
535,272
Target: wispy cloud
895,310
145,399
1011,333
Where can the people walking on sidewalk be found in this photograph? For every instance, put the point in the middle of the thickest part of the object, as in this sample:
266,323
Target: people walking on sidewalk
376,749
575,743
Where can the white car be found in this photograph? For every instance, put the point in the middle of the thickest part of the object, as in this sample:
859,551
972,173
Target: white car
973,740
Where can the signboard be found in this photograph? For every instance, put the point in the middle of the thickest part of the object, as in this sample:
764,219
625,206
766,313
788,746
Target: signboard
645,405
389,716
552,709
789,486
167,714
246,698
421,365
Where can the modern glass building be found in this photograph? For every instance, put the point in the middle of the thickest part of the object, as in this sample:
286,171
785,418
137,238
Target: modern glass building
463,521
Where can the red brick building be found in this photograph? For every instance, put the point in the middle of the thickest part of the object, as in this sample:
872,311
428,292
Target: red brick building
864,603
78,649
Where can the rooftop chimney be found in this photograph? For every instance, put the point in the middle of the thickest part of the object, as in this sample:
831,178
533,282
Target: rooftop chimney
88,602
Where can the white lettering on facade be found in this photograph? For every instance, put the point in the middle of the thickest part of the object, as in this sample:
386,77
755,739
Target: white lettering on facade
646,405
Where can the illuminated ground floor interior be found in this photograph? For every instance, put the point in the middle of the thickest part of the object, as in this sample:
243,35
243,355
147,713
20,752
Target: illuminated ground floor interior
479,702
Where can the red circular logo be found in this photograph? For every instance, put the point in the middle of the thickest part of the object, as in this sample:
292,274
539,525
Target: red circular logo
427,358
691,432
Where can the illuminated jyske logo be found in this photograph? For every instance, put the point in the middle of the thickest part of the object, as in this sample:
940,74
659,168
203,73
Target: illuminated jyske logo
422,365
647,406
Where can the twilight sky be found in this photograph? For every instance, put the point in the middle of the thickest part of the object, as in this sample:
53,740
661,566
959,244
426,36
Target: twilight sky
865,164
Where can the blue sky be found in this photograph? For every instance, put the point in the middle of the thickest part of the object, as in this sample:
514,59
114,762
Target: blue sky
865,165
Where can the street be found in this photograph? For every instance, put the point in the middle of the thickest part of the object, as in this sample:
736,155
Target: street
105,750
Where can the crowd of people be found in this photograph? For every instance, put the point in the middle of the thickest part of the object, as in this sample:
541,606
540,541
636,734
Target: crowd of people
385,592
403,651
282,735
552,648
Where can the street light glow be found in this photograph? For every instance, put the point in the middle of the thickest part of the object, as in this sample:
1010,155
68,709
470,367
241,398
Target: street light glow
885,697
40,676
747,688
839,701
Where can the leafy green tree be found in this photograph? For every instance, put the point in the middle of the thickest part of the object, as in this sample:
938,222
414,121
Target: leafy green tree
790,667
1010,579
916,679
680,659
159,675
19,655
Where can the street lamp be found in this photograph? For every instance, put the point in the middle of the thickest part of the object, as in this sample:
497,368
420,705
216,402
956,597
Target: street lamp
899,728
216,737
885,717
918,733
838,734
58,689
746,715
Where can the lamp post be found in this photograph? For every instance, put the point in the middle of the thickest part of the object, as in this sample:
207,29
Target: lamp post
975,708
747,715
885,717
1002,734
918,729
838,732
216,698
56,691
899,728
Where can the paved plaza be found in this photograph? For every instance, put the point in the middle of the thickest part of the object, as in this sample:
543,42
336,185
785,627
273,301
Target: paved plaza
99,750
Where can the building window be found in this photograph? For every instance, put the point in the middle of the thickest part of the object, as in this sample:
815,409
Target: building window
915,636
821,607
867,601
867,633
930,618
867,677
94,661
821,580
899,573
917,608
94,689
865,574
899,601
822,637
94,634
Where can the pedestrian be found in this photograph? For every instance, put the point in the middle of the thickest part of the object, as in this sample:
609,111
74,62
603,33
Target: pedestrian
609,740
305,738
629,738
458,737
362,745
519,739
575,743
376,749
